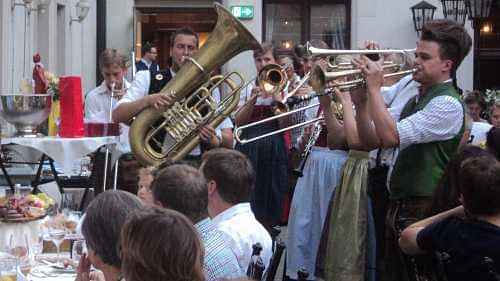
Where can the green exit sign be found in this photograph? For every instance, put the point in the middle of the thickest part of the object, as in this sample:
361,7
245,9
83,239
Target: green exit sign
242,12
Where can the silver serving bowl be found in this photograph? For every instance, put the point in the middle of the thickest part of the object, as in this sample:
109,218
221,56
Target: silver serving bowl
25,111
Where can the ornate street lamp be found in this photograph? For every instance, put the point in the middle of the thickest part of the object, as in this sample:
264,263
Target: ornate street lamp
478,10
422,13
454,10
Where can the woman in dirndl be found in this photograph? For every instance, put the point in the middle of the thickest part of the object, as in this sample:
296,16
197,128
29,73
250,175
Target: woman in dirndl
268,155
313,192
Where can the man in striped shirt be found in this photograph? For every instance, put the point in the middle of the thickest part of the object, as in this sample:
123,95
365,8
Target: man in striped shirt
184,189
427,133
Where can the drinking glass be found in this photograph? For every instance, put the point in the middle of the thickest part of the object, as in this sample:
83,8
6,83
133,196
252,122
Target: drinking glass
19,248
72,219
79,248
57,237
36,245
8,269
67,202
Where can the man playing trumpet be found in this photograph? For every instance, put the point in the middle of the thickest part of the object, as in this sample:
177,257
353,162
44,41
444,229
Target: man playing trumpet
427,133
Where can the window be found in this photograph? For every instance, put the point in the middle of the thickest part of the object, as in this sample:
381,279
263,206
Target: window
288,22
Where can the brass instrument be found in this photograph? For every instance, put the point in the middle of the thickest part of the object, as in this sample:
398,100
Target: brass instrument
160,135
301,83
238,131
332,54
318,81
271,79
320,78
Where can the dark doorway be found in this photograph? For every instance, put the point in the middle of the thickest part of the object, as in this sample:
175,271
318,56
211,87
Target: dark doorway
489,51
155,25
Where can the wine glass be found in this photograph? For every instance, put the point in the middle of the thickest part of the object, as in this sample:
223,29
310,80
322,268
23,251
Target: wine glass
8,268
36,245
19,248
56,235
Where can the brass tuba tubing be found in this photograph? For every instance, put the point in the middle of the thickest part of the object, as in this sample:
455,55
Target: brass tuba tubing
228,39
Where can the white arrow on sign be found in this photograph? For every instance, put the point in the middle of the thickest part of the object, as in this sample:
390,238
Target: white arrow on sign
246,11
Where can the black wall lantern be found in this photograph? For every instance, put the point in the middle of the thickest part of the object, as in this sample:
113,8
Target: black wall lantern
455,10
422,13
478,9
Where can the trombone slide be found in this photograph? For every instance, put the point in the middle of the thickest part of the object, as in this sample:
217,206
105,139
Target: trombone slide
238,131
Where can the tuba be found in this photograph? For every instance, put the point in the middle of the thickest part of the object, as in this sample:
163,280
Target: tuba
160,135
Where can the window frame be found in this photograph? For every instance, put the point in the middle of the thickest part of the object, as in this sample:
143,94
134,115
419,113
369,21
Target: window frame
306,16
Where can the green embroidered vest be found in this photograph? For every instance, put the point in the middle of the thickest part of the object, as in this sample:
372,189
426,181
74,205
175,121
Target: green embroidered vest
419,167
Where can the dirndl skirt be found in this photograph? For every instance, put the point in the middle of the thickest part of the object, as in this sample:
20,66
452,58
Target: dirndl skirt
270,161
313,191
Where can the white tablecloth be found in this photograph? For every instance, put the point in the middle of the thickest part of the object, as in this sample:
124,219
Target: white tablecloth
64,150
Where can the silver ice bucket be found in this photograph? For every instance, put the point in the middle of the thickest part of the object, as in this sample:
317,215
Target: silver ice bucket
25,111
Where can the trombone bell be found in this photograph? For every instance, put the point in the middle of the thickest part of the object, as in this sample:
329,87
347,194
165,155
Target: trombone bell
271,79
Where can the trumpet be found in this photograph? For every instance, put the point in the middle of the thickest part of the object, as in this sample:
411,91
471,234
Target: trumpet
372,54
319,77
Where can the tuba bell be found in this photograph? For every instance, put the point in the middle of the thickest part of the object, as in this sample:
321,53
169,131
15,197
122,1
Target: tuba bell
169,134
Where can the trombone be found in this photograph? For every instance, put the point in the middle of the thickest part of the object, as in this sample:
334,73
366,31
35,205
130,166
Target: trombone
271,79
319,79
238,131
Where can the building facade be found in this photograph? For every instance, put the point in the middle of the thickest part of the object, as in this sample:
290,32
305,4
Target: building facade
70,47
342,23
66,46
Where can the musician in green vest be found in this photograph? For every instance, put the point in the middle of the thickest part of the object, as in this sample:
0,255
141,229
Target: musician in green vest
427,133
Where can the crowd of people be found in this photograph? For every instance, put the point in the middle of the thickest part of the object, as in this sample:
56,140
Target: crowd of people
400,176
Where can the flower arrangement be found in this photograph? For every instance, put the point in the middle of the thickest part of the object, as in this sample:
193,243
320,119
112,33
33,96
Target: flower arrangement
53,85
491,97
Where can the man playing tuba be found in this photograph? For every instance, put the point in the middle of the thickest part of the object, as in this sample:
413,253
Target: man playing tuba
146,86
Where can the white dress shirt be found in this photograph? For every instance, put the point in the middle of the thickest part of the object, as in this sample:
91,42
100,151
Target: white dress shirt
441,119
479,132
98,103
243,230
149,63
140,89
395,98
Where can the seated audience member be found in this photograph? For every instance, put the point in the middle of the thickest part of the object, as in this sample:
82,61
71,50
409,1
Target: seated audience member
230,178
495,114
159,245
493,142
101,228
183,188
469,240
447,194
144,185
